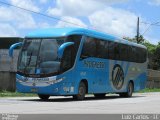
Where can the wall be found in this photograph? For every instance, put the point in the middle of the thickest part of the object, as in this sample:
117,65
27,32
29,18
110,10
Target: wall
8,68
7,81
153,80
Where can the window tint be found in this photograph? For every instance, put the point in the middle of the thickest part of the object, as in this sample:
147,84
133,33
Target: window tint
116,51
102,48
99,48
70,52
111,50
89,47
68,59
124,52
143,55
76,39
134,54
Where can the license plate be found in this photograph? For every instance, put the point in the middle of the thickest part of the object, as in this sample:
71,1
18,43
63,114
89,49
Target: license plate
34,90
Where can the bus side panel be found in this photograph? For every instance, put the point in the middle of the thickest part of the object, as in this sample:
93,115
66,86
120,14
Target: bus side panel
96,72
135,72
139,73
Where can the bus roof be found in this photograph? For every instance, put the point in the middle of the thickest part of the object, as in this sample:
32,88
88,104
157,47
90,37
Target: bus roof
60,32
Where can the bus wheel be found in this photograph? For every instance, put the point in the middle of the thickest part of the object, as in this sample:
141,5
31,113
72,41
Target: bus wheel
43,97
129,92
102,95
81,92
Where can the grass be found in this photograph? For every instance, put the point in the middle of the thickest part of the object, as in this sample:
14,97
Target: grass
149,90
15,94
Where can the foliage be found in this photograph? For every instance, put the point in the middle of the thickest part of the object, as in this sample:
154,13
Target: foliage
15,94
140,39
149,90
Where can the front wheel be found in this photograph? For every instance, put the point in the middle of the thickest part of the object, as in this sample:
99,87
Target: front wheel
43,97
129,92
81,92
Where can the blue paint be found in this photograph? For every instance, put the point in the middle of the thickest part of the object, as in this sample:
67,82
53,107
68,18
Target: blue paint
126,70
38,71
13,47
62,48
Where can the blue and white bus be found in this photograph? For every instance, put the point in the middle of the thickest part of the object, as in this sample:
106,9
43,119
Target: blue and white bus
77,61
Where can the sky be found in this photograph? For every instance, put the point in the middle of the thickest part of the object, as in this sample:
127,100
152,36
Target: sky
117,17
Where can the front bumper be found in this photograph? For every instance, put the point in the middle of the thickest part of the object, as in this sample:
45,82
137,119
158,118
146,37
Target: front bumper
49,85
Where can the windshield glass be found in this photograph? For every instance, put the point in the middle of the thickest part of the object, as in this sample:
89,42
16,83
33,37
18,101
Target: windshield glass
39,56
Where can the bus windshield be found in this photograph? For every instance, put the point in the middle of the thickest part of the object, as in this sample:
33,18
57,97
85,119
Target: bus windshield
39,56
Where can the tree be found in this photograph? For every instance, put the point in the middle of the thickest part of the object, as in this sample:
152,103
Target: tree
140,39
156,57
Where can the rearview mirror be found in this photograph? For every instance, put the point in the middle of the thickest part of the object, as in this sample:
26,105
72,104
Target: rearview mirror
13,47
62,48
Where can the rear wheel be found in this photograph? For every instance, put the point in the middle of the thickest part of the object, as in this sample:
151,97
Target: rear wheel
81,92
129,92
43,97
102,95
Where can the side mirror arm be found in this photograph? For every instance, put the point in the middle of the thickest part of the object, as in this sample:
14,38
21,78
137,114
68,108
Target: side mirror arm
62,48
12,47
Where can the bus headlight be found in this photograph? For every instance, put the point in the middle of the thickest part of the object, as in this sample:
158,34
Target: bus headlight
21,80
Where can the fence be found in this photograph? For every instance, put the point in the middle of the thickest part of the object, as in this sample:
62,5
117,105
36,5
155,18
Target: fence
8,68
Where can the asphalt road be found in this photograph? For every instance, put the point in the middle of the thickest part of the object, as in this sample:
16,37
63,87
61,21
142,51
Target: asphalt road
139,103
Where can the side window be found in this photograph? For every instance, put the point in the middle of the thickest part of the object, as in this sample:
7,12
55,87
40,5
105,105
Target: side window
133,54
89,47
70,52
116,51
68,59
111,50
124,52
143,55
102,49
138,55
76,39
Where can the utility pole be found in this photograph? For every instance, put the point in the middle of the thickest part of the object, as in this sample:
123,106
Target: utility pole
138,30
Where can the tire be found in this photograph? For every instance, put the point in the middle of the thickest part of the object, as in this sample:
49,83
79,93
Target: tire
102,95
81,92
129,92
43,97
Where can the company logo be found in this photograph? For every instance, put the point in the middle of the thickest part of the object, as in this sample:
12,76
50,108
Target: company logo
117,77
